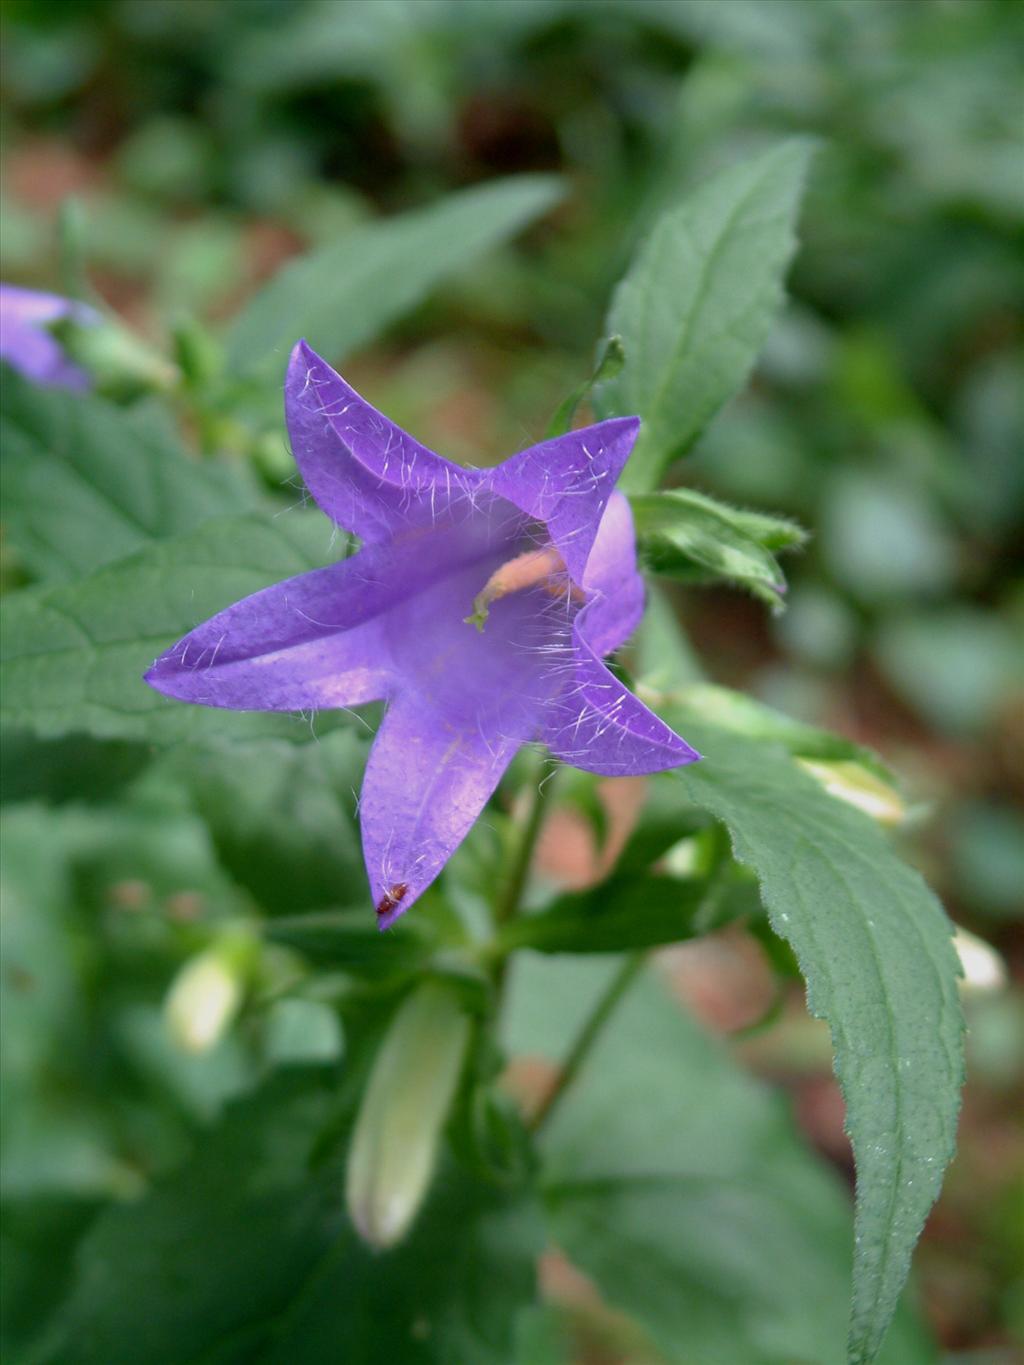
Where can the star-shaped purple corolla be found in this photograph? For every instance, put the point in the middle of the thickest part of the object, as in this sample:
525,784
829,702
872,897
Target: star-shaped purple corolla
479,606
28,346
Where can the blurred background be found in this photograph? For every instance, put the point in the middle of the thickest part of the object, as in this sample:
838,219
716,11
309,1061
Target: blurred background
206,143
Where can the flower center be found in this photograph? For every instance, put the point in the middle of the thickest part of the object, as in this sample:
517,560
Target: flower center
534,569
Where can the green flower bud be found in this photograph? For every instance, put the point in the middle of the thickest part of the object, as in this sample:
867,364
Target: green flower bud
404,1108
120,363
198,353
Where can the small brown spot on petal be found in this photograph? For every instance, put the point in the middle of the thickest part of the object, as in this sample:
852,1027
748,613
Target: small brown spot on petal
392,898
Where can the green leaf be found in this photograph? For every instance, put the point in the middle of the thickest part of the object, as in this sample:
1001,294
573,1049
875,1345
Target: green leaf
771,531
86,483
244,1255
282,816
690,536
453,1292
665,820
101,903
662,656
874,948
349,940
299,1032
345,294
76,768
88,934
223,1243
37,1243
697,303
74,654
622,913
628,911
743,715
678,1185
543,1338
581,792
609,364
56,1140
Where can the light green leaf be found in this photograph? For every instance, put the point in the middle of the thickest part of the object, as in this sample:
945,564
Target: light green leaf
679,1186
74,654
874,948
609,364
345,294
299,1032
687,535
86,483
744,715
697,303
773,532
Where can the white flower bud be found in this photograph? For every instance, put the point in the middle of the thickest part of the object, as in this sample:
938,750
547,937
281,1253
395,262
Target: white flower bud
858,786
206,995
984,969
403,1111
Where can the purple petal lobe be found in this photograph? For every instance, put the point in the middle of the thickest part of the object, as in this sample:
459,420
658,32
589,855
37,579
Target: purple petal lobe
428,778
367,474
566,483
349,633
314,641
599,725
614,588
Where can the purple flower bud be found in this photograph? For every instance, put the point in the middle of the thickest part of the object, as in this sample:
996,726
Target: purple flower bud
28,346
479,607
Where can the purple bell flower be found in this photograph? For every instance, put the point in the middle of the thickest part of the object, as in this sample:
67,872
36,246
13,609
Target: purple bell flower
27,345
479,607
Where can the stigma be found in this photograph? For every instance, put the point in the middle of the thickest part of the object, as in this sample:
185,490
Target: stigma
533,569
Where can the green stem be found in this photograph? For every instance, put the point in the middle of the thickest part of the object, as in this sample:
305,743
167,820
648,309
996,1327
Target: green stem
539,796
589,1033
617,988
